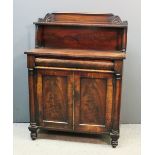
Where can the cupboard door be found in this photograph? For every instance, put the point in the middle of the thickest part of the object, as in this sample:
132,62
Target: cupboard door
54,98
93,99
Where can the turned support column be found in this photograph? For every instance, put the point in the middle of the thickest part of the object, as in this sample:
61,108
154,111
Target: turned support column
33,126
114,134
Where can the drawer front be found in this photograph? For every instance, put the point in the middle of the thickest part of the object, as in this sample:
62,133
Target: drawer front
83,64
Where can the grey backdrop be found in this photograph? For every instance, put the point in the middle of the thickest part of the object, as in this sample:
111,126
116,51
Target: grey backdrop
25,12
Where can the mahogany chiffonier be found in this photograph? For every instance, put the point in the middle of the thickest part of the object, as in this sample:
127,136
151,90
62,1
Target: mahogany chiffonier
75,73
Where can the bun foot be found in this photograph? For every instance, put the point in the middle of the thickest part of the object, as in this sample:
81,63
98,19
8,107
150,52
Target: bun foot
114,138
33,129
114,143
33,135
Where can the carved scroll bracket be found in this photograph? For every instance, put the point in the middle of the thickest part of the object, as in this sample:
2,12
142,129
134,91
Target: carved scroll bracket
116,20
48,18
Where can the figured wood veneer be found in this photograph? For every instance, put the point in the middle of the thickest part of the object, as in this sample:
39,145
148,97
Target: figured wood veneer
75,73
55,98
109,65
92,102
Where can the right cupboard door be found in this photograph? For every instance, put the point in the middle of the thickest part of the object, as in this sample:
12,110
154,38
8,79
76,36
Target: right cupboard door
93,100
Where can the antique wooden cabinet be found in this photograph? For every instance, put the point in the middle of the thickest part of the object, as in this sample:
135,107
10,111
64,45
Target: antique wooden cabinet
75,73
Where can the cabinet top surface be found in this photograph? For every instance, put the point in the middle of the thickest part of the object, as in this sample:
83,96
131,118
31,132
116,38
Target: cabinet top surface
82,19
74,53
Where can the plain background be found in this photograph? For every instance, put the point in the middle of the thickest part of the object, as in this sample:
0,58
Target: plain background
25,12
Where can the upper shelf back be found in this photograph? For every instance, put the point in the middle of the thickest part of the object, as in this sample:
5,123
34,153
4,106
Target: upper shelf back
81,31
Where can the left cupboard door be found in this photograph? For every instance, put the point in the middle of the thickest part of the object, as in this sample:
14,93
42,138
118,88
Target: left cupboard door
55,99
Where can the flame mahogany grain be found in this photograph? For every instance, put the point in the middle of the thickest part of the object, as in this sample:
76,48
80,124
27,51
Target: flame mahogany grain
75,73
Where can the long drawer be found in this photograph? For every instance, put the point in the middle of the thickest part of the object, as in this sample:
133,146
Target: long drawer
83,64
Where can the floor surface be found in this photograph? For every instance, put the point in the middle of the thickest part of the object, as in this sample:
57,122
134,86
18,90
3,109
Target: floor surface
56,143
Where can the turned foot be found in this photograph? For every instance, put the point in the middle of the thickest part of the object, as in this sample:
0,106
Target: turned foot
114,142
114,138
33,129
33,135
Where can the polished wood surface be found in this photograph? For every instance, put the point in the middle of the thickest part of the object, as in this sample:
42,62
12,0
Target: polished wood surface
54,93
81,31
55,98
82,38
73,53
107,65
82,19
90,101
75,73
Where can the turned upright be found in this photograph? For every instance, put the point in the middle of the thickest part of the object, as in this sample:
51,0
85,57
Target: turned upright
75,74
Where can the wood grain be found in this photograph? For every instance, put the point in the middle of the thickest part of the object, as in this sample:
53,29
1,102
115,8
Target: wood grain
76,54
82,19
91,95
92,106
75,73
31,96
55,98
81,38
107,65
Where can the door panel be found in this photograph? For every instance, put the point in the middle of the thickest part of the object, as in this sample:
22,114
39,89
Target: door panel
93,101
55,98
54,94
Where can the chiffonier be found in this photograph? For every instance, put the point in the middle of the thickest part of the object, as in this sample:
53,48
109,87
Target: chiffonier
75,73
